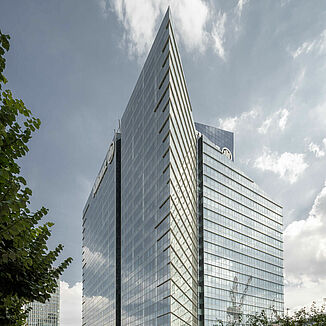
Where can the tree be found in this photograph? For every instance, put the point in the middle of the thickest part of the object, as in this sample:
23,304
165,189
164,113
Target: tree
303,317
26,265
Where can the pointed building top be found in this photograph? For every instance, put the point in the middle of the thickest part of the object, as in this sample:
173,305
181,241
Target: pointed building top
167,13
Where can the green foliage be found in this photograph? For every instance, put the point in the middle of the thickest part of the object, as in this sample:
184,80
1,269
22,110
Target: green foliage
303,317
26,265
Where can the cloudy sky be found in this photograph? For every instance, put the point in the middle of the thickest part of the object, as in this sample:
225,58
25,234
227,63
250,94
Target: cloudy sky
257,68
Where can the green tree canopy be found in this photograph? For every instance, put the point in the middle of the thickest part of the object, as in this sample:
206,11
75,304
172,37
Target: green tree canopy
26,265
303,317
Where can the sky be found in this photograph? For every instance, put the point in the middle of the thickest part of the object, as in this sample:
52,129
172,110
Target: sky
257,68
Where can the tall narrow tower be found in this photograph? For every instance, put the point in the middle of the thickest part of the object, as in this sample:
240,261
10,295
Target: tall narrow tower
158,192
158,241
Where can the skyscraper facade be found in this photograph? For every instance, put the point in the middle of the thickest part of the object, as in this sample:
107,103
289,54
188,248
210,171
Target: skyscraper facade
45,314
146,228
158,193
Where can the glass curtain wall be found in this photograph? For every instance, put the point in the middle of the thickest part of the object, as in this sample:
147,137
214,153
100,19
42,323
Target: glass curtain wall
159,238
242,246
101,234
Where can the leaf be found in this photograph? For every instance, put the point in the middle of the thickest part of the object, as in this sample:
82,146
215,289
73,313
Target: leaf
27,267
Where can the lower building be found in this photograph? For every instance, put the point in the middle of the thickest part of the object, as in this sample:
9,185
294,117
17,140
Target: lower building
101,244
45,314
240,238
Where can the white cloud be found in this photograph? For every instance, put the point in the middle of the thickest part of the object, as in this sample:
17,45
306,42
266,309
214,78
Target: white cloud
140,20
265,126
197,23
305,256
239,6
324,142
279,118
317,45
218,34
250,119
190,18
228,123
70,304
303,295
289,166
283,118
306,47
233,123
314,148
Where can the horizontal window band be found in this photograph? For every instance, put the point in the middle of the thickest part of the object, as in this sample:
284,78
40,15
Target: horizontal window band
187,244
165,249
182,74
242,175
165,201
243,234
241,243
256,307
166,105
243,205
164,123
164,77
233,219
166,168
237,271
194,291
166,281
165,153
241,253
161,98
163,219
166,43
174,250
166,232
166,136
239,183
165,60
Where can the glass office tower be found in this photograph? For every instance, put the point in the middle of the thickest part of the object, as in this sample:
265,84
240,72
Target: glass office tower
240,238
158,193
146,231
158,240
45,314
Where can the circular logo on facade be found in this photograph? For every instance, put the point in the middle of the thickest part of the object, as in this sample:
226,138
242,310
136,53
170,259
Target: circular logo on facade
111,153
227,153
